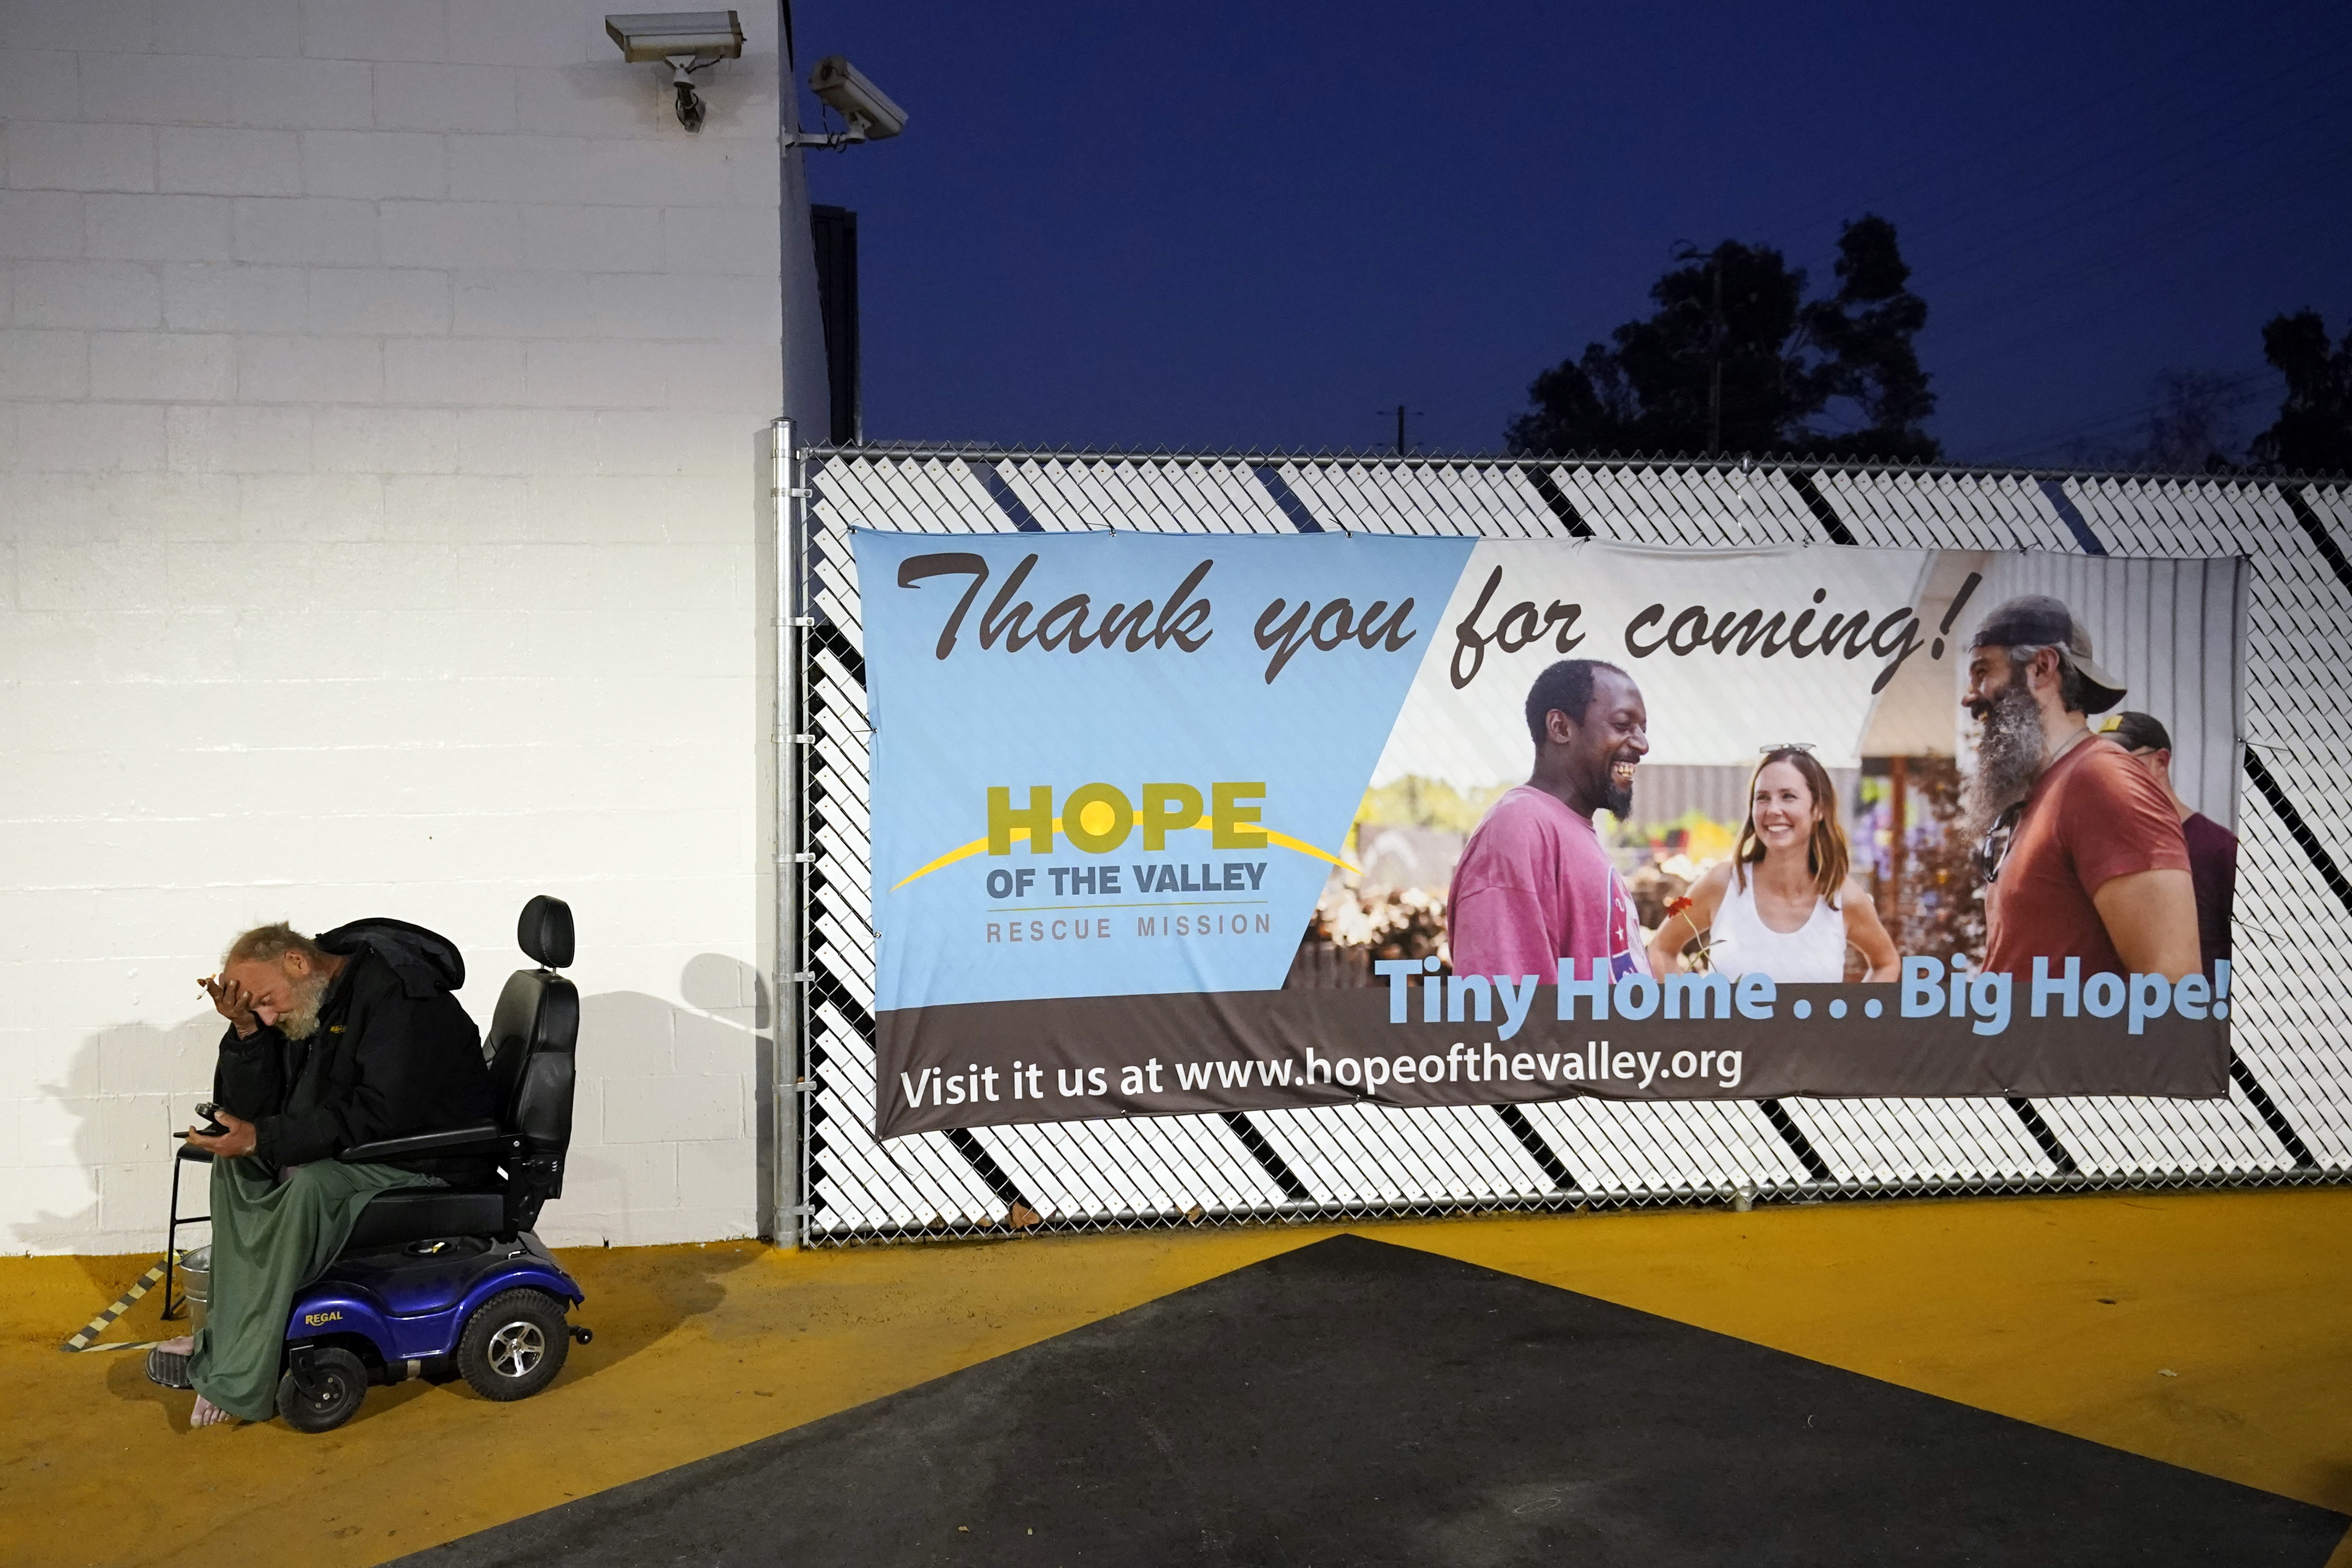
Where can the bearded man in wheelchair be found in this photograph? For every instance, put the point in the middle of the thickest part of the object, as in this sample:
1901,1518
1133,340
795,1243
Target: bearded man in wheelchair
333,1043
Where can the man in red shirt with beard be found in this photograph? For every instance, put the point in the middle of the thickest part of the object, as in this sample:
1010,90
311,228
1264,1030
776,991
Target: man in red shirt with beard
2082,848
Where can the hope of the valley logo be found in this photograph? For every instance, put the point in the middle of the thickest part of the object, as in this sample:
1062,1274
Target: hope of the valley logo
1100,818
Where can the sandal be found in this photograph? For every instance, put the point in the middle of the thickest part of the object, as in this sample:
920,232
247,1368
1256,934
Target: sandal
168,1368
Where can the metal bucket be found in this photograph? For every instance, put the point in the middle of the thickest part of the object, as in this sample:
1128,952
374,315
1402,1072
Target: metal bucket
195,1283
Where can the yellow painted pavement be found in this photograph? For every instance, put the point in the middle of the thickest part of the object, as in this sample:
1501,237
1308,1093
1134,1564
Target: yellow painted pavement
2064,1311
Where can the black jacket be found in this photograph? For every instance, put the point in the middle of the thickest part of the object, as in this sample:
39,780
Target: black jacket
395,1053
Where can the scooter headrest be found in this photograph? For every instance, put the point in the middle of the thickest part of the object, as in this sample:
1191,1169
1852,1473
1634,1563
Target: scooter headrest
545,931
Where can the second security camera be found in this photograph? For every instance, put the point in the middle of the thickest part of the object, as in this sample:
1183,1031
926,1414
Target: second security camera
688,41
867,108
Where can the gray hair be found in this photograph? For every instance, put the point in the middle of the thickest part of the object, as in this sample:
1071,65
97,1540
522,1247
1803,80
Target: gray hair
270,944
2074,686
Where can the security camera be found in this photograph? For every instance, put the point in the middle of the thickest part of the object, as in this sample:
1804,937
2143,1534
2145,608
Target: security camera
871,114
687,40
702,37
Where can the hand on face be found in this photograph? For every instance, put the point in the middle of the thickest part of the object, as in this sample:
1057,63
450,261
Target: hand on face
265,990
231,1001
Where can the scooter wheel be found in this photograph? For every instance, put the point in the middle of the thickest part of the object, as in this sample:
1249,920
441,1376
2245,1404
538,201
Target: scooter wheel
339,1383
514,1344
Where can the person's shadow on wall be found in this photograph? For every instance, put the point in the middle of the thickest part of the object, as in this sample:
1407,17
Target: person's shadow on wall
95,1151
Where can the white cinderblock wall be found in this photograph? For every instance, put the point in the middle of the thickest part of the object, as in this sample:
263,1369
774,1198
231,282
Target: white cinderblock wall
382,390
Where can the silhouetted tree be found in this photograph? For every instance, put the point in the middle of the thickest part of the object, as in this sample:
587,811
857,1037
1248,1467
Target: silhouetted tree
2313,431
1735,346
1866,331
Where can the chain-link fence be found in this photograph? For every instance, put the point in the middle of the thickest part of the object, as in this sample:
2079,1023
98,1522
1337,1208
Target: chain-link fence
2289,1117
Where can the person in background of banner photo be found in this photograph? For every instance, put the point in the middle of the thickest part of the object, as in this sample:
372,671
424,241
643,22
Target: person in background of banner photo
2082,851
2212,849
1782,905
1535,884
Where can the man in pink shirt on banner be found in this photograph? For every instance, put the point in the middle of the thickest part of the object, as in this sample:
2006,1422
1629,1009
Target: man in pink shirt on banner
1535,884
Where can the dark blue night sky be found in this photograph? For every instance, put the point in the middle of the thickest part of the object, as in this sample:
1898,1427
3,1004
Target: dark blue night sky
1216,225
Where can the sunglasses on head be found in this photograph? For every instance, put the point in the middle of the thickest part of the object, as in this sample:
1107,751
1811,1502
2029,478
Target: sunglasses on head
1805,746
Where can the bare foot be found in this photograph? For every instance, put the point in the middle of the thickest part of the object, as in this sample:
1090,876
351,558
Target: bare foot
184,1346
208,1414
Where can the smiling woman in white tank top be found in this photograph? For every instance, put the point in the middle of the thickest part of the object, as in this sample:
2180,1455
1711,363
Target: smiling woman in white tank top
1782,905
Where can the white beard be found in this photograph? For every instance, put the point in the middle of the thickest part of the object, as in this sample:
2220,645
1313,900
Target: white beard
300,1019
2009,756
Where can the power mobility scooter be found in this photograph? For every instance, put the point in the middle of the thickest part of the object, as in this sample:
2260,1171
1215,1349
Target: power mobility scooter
445,1282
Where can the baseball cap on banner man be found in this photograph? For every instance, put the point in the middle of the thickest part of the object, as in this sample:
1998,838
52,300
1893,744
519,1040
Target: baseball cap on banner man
2037,620
2136,731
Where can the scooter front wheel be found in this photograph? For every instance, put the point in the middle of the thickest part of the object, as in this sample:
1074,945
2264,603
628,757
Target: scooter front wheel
339,1383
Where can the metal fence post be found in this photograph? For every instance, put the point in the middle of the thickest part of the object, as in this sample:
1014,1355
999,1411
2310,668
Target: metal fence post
789,1013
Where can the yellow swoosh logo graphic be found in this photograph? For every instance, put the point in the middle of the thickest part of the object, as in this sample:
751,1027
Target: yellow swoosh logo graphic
966,851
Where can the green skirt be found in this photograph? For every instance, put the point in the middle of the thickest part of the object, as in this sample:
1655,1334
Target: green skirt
271,1238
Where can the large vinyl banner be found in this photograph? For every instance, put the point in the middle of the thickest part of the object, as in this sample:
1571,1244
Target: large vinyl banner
1180,823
